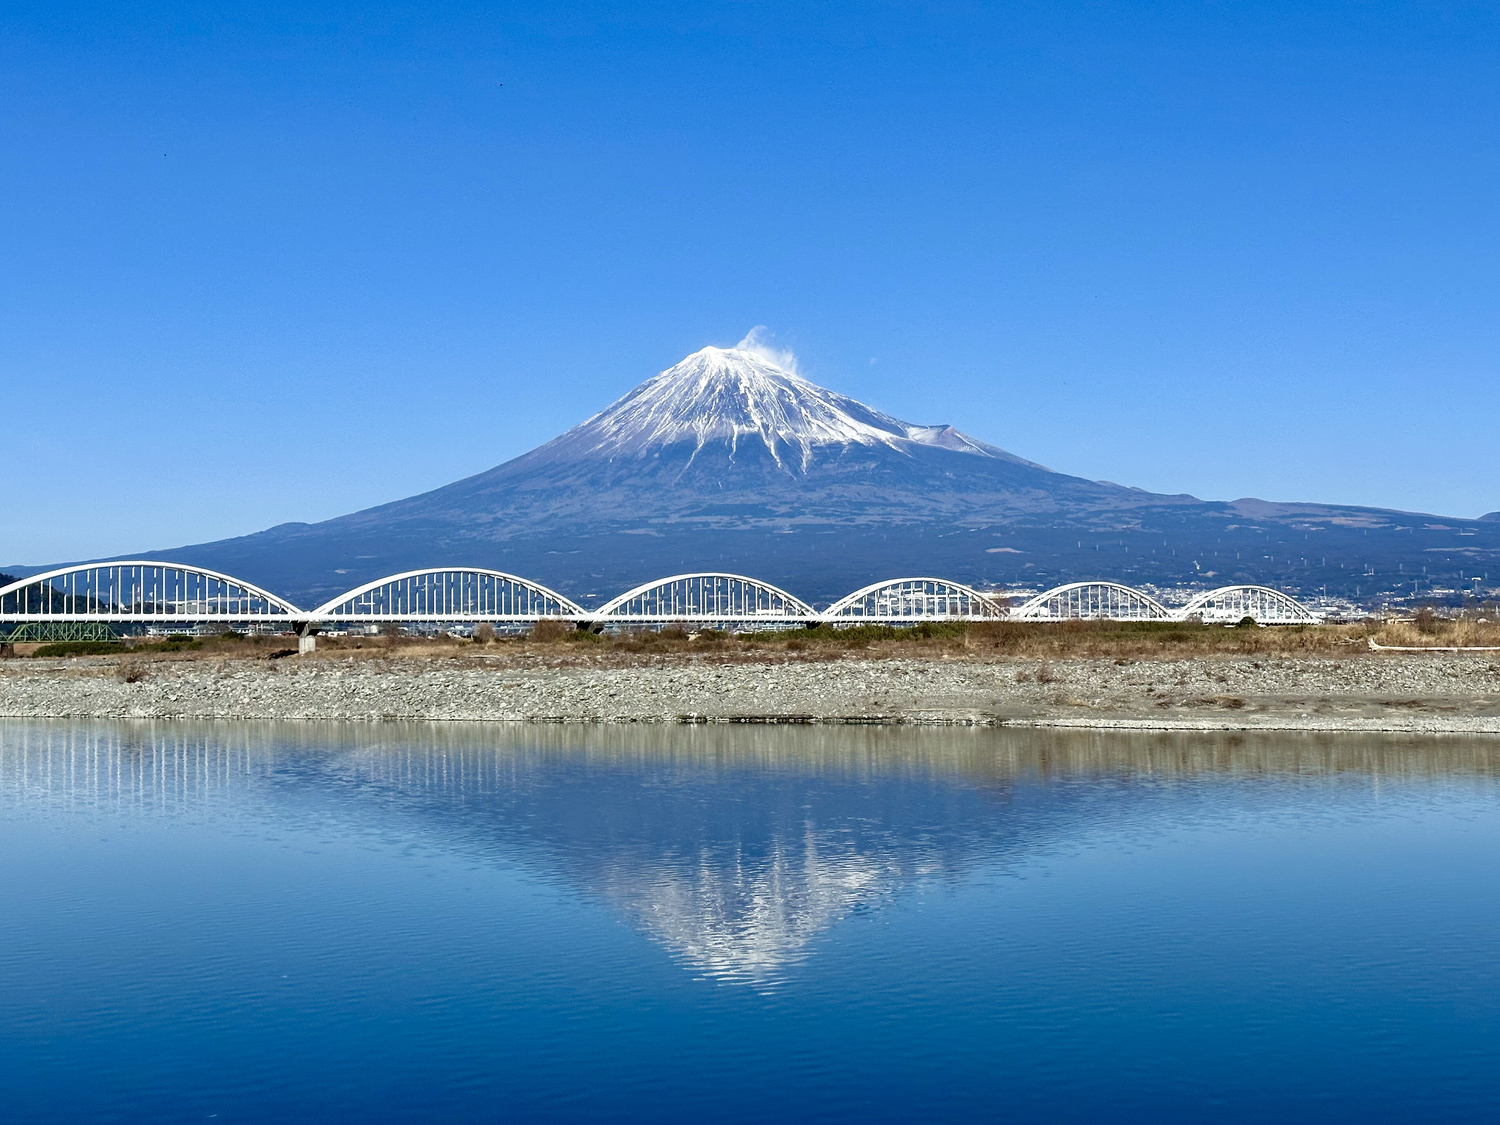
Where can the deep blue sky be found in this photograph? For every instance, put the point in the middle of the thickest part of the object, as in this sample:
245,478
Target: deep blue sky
282,261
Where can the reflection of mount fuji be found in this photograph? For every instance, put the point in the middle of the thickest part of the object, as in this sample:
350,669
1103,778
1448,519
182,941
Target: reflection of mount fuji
734,848
748,915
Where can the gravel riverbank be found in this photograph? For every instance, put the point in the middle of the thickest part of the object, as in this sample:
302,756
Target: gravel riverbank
1398,692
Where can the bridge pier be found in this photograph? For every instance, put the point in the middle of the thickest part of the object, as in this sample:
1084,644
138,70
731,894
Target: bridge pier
307,639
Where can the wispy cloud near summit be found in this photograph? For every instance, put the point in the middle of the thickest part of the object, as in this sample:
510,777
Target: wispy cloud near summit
757,343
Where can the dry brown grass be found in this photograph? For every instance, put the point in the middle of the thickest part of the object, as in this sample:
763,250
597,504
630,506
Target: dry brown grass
141,652
549,630
1071,640
1424,631
1038,642
1041,644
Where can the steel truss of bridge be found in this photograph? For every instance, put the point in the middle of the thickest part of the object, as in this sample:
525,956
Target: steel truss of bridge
164,593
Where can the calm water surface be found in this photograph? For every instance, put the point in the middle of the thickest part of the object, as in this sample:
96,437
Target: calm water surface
282,923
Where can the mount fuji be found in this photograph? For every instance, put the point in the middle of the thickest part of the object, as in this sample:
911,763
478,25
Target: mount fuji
730,461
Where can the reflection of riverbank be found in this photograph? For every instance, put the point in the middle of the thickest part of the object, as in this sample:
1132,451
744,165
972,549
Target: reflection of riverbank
152,759
1411,692
733,847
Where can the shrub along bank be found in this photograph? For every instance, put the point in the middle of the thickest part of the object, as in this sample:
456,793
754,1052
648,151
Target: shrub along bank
1166,640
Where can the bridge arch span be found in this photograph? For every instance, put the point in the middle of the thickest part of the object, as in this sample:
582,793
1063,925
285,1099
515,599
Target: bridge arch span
915,599
1261,603
706,596
144,590
448,593
1107,601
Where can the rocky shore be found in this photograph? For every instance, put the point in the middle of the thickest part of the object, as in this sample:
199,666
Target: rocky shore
1427,692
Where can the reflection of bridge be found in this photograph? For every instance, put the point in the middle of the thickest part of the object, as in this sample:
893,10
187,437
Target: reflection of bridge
162,593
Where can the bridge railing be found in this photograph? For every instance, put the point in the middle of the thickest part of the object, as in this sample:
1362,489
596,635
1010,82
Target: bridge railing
902,600
139,591
163,592
1109,601
447,594
705,597
1263,605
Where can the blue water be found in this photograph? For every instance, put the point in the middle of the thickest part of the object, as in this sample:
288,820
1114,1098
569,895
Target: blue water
263,923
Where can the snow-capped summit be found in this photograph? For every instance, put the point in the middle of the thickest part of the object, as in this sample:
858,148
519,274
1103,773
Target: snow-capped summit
734,396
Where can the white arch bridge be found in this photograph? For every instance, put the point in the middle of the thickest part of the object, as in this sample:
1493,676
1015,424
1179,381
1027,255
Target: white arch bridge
152,593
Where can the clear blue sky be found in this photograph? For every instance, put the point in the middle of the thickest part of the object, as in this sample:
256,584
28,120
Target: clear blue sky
282,261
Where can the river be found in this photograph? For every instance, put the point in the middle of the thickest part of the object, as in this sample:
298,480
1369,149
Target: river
246,922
